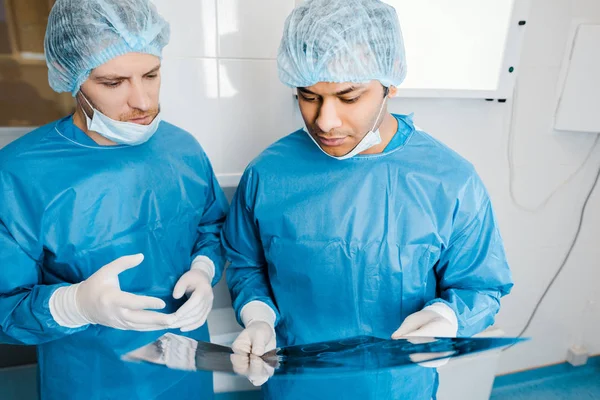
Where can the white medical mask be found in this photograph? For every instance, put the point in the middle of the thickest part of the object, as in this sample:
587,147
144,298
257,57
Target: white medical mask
372,138
120,132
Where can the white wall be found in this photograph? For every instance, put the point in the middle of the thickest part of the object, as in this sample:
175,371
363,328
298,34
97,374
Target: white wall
228,82
537,243
220,76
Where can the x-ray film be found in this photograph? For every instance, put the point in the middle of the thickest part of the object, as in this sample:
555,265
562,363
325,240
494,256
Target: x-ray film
360,353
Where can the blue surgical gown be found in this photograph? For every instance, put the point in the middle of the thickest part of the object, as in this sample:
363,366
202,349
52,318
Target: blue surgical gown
347,248
68,207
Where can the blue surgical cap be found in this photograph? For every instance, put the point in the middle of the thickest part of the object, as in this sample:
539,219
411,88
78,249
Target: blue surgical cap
342,41
84,34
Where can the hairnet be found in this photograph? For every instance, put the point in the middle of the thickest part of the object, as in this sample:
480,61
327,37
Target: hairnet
342,41
84,34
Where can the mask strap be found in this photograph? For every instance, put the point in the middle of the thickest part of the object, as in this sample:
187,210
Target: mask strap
380,110
88,103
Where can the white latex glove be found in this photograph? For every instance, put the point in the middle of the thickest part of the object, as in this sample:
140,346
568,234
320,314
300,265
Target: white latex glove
436,320
253,367
257,339
100,300
259,336
197,285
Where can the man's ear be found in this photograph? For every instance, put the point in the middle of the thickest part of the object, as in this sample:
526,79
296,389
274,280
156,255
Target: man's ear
392,92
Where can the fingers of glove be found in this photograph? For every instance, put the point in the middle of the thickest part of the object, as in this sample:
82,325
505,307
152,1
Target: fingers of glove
149,318
184,284
179,323
149,328
195,316
204,309
122,264
240,363
196,301
131,326
436,328
243,344
258,347
272,344
136,302
194,326
262,337
412,323
189,308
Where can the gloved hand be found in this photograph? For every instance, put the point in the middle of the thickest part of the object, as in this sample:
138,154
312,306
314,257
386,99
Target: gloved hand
196,283
100,300
257,339
436,320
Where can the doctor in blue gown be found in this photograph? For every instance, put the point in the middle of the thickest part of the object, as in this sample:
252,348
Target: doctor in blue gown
109,218
360,223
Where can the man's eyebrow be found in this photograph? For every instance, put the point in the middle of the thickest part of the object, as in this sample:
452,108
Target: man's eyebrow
345,91
109,77
305,90
153,70
349,90
115,77
340,93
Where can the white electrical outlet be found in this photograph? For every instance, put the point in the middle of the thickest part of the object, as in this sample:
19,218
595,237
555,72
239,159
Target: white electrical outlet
577,356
